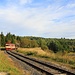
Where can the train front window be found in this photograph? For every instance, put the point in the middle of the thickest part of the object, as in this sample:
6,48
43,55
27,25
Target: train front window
7,45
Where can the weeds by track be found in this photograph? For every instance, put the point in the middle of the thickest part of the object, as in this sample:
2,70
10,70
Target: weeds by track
44,67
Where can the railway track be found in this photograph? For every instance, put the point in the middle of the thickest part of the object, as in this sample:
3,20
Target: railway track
44,67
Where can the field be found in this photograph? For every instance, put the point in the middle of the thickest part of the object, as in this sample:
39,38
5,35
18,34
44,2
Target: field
66,59
8,66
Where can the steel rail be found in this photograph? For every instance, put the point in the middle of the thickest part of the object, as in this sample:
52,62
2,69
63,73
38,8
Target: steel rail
48,68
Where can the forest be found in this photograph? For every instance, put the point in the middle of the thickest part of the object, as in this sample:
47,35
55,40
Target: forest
53,44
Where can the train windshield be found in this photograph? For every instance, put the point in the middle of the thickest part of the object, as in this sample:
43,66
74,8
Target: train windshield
7,45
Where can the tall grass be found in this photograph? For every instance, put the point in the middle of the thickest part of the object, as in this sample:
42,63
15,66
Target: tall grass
59,57
7,65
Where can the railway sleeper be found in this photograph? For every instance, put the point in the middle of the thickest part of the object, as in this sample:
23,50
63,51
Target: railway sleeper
47,64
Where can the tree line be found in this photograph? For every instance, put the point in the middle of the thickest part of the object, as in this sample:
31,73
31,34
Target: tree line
52,44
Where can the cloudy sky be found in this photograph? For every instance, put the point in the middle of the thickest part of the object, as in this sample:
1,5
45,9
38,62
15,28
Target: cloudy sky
43,18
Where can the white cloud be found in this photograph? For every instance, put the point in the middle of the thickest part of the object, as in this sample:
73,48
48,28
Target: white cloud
72,5
25,1
37,21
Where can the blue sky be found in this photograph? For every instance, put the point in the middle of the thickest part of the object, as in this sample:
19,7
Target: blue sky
43,18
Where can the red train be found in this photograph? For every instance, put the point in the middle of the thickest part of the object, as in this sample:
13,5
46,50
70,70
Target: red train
10,46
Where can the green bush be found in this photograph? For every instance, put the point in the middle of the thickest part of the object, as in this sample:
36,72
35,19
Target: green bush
30,53
44,47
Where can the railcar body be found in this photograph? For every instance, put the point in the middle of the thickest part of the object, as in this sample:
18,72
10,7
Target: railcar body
9,46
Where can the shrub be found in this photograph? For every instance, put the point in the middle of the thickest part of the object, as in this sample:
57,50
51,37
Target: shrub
44,47
30,53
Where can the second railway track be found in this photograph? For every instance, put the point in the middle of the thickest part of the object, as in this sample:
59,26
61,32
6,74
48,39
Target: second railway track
44,67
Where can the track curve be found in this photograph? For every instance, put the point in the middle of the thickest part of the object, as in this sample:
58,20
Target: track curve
44,67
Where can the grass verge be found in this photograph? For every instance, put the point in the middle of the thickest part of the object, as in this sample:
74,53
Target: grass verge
69,61
7,65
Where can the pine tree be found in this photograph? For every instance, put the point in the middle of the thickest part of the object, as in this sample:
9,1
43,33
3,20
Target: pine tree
2,39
